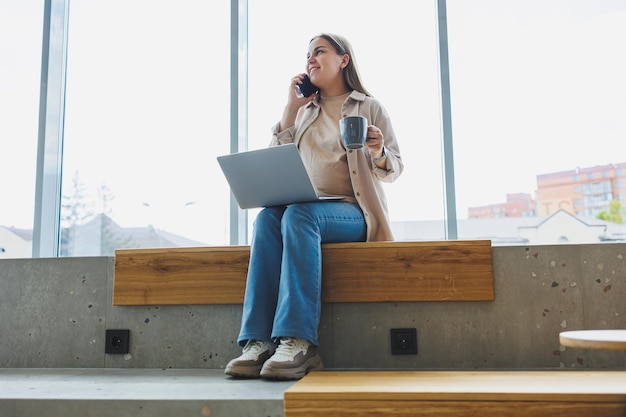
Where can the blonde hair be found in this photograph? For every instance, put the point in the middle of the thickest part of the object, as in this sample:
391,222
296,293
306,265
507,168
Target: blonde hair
351,76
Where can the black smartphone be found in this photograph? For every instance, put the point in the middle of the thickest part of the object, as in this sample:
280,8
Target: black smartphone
306,88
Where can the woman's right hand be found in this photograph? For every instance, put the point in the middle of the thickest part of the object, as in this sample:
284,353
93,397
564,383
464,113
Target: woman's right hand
294,103
294,99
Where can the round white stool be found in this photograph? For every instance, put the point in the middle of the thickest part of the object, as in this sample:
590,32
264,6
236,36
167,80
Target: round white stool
595,339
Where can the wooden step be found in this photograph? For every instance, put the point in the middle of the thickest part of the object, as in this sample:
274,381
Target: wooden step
465,393
352,272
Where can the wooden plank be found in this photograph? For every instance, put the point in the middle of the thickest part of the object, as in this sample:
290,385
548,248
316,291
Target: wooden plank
352,272
453,393
408,271
203,275
425,408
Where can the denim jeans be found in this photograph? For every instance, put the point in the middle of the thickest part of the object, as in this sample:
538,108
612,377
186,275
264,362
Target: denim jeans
283,289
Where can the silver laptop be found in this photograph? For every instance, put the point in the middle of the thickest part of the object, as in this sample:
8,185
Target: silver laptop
268,177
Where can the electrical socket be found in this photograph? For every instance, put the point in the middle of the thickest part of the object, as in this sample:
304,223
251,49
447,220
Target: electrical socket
404,341
117,341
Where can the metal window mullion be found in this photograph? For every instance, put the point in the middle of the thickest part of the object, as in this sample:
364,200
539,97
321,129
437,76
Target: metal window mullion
46,230
238,106
449,194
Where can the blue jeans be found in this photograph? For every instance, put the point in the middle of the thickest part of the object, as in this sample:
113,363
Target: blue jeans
283,289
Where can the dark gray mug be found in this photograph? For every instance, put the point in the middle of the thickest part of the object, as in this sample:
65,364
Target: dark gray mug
353,130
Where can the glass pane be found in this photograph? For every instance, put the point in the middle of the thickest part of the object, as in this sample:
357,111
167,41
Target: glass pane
397,56
20,48
538,110
147,113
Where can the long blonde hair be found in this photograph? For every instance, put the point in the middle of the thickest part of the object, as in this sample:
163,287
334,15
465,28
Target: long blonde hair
351,76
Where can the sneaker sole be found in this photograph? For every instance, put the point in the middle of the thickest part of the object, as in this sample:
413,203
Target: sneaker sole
247,369
244,372
312,364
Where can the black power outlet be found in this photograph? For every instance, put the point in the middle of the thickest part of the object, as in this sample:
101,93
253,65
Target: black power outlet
117,341
404,341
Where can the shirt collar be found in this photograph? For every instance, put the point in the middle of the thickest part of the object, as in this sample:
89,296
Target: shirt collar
354,95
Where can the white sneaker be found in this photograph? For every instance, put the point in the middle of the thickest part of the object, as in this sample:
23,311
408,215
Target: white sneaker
293,359
249,364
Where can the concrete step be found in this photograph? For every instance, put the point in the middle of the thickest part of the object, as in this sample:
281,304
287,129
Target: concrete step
106,392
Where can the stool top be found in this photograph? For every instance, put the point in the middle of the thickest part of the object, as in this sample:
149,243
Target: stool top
594,339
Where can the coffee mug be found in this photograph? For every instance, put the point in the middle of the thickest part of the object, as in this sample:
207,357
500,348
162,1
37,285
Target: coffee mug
353,130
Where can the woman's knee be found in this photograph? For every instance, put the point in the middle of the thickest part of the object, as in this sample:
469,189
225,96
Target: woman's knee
268,219
298,215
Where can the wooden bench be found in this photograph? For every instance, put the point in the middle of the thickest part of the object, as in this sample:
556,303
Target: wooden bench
352,272
557,393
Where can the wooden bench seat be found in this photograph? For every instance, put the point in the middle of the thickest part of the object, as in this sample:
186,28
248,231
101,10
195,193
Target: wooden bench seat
352,272
558,393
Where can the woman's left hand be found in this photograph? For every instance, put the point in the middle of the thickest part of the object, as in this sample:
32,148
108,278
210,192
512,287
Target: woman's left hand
375,141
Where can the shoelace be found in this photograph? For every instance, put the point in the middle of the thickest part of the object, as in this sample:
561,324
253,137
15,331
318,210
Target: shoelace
253,348
289,347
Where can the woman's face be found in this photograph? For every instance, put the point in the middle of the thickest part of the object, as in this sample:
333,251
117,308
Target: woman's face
324,64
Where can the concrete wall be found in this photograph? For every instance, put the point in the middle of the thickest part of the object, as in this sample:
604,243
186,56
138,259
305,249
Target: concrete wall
54,313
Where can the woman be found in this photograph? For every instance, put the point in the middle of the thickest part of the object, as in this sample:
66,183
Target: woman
282,304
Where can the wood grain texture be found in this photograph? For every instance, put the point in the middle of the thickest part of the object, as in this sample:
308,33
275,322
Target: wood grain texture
352,272
408,271
468,408
464,393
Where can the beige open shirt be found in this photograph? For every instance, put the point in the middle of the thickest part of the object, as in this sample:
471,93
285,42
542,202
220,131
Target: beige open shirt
365,175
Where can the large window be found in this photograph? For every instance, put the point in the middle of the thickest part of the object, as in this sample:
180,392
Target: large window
20,48
147,113
537,105
538,89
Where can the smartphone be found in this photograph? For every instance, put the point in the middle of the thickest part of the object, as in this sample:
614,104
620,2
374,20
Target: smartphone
306,88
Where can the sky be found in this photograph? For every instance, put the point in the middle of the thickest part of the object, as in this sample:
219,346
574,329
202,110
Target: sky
537,86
